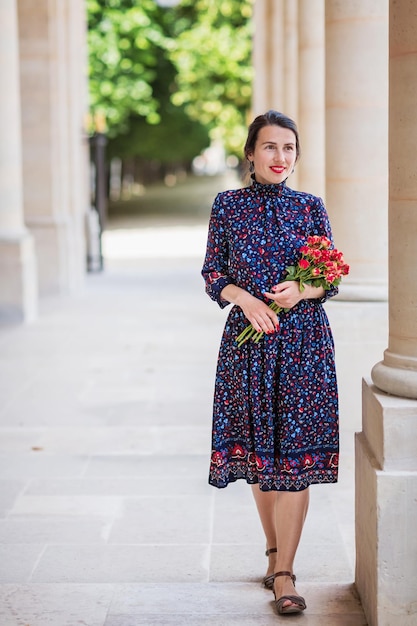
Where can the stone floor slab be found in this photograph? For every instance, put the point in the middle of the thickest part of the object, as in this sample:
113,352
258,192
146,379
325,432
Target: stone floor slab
122,564
53,529
32,464
229,604
101,506
17,561
157,466
54,605
173,520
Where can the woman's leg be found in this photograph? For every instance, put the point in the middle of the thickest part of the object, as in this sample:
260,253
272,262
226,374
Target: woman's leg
265,503
290,513
282,515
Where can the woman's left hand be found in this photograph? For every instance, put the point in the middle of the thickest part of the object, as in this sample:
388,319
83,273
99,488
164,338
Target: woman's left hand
286,294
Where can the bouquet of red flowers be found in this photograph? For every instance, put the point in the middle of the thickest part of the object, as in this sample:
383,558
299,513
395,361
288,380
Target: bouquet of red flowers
319,266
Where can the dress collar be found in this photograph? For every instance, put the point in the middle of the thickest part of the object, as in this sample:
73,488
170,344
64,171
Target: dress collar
271,189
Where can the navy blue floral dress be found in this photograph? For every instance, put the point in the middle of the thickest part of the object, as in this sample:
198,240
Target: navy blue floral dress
275,416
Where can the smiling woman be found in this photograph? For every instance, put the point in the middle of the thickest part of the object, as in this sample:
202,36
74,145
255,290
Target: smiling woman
275,417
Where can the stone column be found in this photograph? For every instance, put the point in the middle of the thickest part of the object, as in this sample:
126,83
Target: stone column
78,142
268,47
386,449
52,143
311,117
356,140
18,285
290,73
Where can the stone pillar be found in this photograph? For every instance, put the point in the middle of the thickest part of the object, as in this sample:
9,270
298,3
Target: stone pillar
267,48
79,149
386,449
52,142
311,102
290,74
356,140
18,285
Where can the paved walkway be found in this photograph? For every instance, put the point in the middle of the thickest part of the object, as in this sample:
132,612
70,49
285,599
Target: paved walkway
106,518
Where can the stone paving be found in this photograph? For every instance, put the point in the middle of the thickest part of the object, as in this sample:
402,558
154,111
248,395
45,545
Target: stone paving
106,517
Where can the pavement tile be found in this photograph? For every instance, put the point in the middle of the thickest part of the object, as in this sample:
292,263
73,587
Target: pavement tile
38,464
17,561
54,604
331,605
173,520
9,490
252,619
159,466
55,530
122,563
80,505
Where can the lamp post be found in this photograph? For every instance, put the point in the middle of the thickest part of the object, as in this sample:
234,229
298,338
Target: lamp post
98,209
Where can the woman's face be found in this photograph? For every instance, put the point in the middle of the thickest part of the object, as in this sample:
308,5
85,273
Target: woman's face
275,154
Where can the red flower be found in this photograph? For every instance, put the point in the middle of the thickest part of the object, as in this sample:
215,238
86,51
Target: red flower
315,254
321,266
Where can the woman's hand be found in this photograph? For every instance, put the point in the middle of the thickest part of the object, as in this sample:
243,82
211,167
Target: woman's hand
287,294
256,311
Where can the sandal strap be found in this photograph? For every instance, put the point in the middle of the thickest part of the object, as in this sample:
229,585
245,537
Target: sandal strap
271,551
292,576
298,600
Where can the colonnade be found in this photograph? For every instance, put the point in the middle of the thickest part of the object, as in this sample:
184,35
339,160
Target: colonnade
356,64
43,152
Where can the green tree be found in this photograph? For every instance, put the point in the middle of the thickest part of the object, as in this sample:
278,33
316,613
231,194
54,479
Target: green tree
211,50
165,78
124,39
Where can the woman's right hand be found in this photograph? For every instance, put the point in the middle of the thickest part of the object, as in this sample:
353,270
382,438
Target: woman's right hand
255,310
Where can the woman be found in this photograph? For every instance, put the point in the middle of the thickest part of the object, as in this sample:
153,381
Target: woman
275,421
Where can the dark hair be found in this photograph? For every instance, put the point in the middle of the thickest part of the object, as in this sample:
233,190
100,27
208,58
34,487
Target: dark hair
270,118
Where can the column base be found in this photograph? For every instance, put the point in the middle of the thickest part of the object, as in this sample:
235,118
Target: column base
386,510
18,279
60,247
363,292
398,381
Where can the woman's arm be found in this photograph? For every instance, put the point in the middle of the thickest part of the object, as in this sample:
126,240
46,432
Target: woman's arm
256,311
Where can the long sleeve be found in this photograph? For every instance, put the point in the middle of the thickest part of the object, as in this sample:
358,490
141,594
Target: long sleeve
216,262
320,225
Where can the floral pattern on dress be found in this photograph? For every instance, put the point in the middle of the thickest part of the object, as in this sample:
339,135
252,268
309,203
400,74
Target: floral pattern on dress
275,412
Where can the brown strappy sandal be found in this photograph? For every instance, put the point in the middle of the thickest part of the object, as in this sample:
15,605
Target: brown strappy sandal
268,581
298,603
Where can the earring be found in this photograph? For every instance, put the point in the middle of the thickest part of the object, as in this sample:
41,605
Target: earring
251,167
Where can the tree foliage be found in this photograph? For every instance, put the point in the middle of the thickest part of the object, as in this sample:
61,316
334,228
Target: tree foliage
212,54
157,73
125,39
